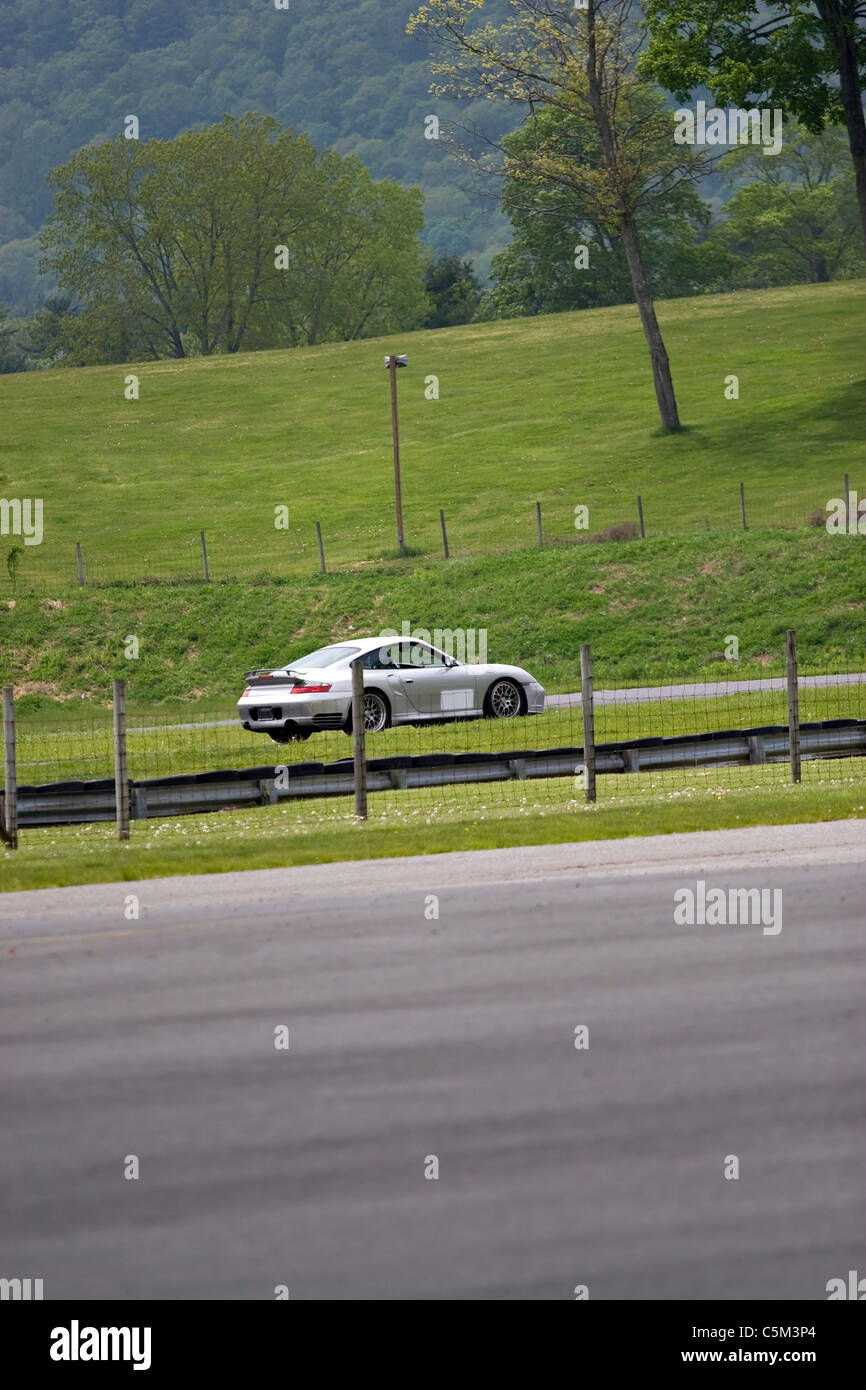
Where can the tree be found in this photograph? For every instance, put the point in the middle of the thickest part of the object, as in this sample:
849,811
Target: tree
797,220
13,354
20,285
581,62
455,291
807,57
346,74
238,235
563,256
48,330
354,260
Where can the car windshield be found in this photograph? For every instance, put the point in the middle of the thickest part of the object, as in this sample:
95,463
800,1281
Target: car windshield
325,656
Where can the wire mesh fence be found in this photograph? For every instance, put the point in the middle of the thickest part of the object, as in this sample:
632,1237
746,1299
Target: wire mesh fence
248,545
672,741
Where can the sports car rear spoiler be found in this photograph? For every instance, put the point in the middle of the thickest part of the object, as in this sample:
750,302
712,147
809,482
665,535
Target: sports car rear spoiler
255,677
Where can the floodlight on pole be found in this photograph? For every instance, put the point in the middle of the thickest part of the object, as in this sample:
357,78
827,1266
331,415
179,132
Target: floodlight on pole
392,363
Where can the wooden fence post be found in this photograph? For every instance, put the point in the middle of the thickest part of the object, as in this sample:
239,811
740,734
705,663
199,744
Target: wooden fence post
80,564
121,779
321,548
586,711
793,704
358,740
10,797
538,517
640,517
743,505
204,558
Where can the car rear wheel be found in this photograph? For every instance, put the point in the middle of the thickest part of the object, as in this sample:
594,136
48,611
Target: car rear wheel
504,700
377,713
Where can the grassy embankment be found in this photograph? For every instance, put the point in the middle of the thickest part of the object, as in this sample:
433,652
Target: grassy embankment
555,409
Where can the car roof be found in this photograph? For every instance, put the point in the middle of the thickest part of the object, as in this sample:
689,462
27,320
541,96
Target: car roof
364,644
368,644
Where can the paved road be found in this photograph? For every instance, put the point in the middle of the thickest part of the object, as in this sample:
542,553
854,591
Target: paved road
413,1036
703,690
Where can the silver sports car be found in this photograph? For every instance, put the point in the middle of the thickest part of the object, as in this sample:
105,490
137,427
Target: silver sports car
404,683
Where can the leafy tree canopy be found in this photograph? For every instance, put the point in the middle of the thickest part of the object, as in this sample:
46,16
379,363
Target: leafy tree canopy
344,73
455,291
806,57
793,218
240,235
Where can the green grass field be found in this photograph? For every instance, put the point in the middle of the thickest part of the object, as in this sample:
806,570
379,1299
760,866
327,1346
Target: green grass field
458,818
74,748
558,409
653,611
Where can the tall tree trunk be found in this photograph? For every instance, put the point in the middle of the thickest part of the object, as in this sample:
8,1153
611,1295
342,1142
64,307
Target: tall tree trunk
658,353
628,229
839,24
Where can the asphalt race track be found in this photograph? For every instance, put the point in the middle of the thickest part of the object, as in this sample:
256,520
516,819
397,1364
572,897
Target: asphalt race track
412,1036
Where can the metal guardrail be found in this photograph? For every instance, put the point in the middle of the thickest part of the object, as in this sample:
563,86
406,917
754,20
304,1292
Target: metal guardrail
71,803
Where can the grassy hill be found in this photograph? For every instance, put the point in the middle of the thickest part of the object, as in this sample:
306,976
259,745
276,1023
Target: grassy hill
652,610
557,409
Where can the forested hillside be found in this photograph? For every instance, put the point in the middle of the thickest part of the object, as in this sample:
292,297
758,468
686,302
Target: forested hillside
345,74
342,71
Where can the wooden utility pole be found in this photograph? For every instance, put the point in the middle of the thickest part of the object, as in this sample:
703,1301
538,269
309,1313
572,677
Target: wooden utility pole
121,777
358,740
392,364
586,709
793,704
10,794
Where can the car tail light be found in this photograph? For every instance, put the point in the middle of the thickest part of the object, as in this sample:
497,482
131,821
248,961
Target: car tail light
246,693
309,689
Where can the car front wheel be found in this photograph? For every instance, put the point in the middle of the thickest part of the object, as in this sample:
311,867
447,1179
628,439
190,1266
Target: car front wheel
504,700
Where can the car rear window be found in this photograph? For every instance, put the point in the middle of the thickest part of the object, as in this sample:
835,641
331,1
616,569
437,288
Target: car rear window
325,656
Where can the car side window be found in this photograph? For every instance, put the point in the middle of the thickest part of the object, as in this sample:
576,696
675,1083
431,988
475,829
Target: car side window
380,659
415,654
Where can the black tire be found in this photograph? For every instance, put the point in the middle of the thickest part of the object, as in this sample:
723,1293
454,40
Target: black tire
287,735
504,700
371,696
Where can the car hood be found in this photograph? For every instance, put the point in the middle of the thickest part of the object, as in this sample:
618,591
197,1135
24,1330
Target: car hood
494,669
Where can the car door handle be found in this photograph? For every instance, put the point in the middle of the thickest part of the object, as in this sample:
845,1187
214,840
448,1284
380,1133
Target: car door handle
408,680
